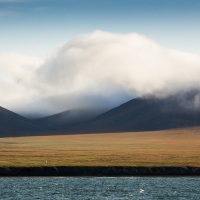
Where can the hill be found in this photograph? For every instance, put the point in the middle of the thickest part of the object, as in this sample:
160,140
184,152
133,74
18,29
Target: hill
139,114
144,114
12,124
67,119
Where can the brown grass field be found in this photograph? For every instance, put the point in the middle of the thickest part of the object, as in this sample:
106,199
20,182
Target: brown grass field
180,147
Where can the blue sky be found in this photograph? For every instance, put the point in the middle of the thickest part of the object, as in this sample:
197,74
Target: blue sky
38,26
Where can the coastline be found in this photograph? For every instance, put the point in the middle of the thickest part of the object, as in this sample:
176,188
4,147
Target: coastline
115,171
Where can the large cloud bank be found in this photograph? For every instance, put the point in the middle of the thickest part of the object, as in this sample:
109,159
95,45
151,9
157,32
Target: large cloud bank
100,69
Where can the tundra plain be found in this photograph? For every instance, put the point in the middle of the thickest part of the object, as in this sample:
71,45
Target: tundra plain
177,147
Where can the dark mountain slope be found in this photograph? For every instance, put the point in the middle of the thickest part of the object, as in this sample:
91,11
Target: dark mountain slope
140,114
67,119
12,124
143,115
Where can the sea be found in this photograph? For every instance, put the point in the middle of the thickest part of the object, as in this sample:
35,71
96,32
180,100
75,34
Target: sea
85,188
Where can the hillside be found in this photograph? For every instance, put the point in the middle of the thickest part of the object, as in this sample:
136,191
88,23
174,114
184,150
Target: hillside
12,124
139,114
67,119
143,115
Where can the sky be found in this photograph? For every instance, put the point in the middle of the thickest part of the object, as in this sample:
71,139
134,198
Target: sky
63,54
37,26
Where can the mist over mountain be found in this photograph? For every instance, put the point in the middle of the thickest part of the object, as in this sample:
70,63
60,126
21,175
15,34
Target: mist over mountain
96,69
147,114
67,119
140,114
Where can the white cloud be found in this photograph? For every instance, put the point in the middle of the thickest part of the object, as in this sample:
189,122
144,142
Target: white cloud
98,68
17,78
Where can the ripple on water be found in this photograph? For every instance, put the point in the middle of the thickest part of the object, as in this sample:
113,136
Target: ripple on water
99,188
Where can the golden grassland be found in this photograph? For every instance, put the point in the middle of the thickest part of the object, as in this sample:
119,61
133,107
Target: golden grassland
180,147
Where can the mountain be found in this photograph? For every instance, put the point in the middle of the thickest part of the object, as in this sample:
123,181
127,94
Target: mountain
139,114
12,124
67,119
145,114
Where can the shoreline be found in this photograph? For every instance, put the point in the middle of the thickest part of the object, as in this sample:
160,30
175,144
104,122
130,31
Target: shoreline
90,171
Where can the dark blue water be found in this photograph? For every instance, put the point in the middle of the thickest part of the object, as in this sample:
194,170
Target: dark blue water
99,188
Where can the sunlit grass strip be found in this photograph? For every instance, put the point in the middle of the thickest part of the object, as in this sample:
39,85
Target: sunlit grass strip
179,147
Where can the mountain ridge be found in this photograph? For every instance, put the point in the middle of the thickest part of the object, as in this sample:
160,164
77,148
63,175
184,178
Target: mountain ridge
139,114
13,124
143,114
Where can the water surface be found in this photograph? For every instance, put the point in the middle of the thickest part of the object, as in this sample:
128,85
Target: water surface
99,188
